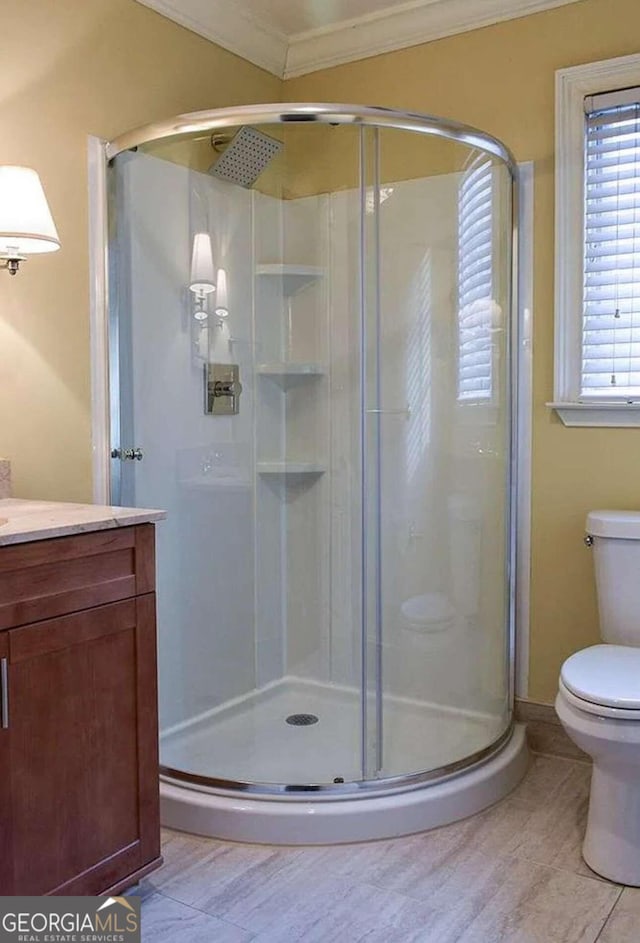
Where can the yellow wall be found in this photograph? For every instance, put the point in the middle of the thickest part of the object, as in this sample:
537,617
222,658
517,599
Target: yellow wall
501,79
70,68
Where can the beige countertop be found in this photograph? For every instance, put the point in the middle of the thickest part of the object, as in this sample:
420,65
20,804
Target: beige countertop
21,521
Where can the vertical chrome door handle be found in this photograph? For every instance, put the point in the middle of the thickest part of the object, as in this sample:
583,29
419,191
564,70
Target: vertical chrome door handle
4,693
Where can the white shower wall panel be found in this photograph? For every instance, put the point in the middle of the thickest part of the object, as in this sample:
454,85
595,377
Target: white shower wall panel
306,242
269,344
443,469
269,569
440,525
345,471
418,329
196,466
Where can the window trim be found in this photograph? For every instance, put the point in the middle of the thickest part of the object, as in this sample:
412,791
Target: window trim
572,86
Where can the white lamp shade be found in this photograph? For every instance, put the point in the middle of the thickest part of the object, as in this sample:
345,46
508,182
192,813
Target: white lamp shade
222,298
202,264
26,223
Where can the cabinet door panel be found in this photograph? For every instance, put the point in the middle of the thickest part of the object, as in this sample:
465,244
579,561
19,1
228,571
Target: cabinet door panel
45,638
76,752
148,760
6,851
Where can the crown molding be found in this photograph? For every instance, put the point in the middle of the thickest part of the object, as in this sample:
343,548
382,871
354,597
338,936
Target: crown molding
229,26
397,27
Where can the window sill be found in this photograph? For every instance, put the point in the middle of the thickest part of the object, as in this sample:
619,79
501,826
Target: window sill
469,413
589,415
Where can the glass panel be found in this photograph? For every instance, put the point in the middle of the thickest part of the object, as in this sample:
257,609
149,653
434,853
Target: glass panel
333,592
259,561
371,443
444,264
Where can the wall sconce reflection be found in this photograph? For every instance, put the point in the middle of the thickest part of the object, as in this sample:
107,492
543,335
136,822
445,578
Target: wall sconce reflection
202,274
222,295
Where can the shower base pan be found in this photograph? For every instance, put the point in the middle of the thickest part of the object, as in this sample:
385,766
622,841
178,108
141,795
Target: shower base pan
252,734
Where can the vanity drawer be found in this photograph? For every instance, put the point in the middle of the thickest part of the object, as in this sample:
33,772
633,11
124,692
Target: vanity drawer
49,578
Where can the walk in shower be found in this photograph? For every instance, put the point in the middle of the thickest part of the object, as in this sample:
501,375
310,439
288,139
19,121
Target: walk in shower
312,372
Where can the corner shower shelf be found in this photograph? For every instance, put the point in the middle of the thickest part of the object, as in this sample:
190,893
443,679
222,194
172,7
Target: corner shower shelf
293,277
291,469
287,374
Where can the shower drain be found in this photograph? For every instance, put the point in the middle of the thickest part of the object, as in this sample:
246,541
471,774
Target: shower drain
301,720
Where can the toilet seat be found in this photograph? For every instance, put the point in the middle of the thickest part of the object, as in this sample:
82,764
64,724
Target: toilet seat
604,680
600,711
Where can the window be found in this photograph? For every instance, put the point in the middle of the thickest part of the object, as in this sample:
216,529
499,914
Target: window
611,295
597,361
475,282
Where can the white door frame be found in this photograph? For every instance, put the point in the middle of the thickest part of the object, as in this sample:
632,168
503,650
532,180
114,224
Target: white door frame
99,320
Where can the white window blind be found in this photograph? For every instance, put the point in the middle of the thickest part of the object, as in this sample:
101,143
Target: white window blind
475,281
611,299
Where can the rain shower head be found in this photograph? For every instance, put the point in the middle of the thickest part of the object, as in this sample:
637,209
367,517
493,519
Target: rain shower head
245,157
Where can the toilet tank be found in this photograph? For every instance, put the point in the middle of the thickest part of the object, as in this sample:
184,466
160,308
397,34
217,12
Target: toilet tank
616,549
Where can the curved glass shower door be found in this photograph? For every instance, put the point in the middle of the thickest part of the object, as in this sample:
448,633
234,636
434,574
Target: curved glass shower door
259,598
443,445
310,345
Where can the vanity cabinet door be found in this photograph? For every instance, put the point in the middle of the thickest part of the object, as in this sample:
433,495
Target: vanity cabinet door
6,849
84,760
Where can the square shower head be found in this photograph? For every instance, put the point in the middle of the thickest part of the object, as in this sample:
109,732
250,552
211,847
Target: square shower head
245,157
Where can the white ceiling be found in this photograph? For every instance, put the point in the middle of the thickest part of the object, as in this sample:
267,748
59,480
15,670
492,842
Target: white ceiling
293,37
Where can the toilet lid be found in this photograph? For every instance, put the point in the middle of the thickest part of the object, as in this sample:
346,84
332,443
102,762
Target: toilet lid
605,674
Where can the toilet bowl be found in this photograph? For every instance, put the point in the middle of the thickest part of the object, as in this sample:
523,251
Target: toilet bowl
598,704
598,701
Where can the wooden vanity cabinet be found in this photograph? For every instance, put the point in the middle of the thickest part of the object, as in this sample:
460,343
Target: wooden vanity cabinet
79,802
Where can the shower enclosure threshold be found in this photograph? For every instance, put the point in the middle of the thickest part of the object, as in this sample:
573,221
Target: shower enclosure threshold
251,733
285,821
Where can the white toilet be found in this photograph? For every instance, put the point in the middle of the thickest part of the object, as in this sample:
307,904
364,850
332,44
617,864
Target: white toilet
598,701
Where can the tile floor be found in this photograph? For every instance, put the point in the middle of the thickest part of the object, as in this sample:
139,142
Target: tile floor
512,874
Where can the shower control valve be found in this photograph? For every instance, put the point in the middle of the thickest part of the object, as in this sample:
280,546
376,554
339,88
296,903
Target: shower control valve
222,389
227,388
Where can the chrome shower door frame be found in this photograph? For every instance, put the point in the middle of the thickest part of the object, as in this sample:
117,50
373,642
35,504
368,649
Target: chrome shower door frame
364,118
